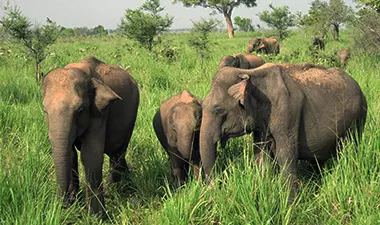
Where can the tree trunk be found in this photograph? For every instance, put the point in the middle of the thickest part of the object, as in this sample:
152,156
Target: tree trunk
336,32
230,27
37,71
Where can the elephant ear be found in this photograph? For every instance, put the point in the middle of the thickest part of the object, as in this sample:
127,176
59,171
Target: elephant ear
261,45
237,91
104,95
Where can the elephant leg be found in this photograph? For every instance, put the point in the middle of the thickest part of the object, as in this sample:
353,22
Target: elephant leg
196,169
92,163
92,150
74,181
262,149
118,166
286,155
118,163
178,168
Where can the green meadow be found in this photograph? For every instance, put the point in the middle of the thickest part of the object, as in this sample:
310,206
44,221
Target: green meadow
345,191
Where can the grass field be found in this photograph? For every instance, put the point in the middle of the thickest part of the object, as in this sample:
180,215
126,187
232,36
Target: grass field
347,191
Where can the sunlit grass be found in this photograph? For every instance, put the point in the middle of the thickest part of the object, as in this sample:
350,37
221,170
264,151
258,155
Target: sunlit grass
345,192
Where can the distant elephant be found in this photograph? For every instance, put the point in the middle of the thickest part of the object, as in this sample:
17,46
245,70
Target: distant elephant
299,110
343,57
241,60
176,124
92,106
318,43
264,45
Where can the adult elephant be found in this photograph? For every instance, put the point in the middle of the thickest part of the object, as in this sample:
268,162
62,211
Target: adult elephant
318,43
264,45
241,60
176,125
92,106
300,110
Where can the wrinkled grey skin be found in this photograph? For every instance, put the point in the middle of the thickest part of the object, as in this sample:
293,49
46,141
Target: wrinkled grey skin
301,110
176,124
264,45
241,60
343,57
92,106
318,43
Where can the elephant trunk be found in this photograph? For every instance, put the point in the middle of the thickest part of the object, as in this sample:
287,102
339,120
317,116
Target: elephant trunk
209,137
185,144
61,153
61,140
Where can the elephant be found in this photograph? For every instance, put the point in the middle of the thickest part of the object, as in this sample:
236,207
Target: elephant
264,45
318,43
343,57
90,106
299,110
241,60
176,125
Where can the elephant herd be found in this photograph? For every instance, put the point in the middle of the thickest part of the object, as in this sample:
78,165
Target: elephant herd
300,111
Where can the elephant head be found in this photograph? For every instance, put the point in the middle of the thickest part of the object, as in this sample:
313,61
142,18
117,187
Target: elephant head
318,43
253,44
241,60
71,97
264,45
226,113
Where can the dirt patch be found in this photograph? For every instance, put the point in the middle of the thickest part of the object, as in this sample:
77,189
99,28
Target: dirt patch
81,66
306,73
310,74
106,70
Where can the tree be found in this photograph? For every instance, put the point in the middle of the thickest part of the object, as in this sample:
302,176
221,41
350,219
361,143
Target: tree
36,39
323,15
199,38
67,32
244,24
374,4
339,13
145,23
222,6
99,30
280,18
317,19
367,31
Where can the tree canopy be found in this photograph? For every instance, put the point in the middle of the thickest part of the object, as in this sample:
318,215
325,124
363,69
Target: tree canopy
199,38
36,39
322,15
145,23
374,4
222,6
339,13
244,24
279,18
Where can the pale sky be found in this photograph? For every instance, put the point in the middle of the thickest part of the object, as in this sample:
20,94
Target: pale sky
90,13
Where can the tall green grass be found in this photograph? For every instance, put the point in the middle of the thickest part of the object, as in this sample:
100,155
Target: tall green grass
345,191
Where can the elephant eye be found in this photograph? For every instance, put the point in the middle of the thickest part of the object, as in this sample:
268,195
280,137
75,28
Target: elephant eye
219,111
80,109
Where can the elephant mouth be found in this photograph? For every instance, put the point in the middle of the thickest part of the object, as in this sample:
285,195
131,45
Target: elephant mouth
231,135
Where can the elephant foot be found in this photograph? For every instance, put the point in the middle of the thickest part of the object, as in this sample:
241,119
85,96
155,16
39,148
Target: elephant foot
72,194
117,176
293,191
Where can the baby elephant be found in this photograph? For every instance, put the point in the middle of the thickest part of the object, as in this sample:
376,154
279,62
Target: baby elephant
176,124
241,60
318,43
343,57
